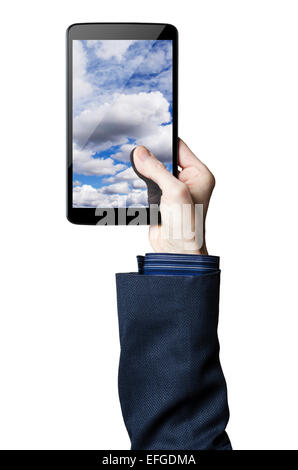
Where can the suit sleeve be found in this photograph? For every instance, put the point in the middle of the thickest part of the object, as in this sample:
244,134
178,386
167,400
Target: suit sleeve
171,386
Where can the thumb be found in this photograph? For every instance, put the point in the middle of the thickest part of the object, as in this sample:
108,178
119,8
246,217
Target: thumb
148,166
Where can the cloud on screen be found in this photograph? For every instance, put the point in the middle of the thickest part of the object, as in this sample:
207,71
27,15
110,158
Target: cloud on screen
121,98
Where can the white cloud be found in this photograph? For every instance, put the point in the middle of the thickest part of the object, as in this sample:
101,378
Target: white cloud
85,164
137,198
81,86
126,175
87,196
130,176
110,48
153,62
137,183
92,43
163,81
124,152
128,116
158,142
116,188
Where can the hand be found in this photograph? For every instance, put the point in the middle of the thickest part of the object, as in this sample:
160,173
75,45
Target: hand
179,233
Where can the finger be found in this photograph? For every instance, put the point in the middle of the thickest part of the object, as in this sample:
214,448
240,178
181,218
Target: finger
187,158
195,174
148,165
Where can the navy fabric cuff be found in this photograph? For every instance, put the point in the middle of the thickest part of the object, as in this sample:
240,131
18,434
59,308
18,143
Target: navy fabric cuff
177,264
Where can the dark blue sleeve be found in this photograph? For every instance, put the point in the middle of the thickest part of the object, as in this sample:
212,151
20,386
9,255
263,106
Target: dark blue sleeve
171,386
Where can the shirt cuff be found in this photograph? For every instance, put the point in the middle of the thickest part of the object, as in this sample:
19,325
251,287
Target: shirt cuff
172,264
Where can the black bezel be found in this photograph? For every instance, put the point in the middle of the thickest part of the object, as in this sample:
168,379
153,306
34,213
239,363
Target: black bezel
86,216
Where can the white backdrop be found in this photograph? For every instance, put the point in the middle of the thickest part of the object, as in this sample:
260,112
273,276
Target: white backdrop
58,329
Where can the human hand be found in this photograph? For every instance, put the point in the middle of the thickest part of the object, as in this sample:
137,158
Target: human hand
181,230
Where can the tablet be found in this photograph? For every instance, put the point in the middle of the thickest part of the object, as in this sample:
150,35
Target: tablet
121,93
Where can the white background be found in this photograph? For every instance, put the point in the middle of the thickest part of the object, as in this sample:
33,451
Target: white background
59,346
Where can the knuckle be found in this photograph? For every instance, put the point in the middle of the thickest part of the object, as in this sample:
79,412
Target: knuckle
209,178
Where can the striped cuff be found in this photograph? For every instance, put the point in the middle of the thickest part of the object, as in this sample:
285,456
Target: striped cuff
177,264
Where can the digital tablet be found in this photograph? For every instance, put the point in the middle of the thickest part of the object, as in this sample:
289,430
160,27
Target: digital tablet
121,93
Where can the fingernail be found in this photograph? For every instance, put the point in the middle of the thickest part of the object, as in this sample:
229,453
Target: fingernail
142,153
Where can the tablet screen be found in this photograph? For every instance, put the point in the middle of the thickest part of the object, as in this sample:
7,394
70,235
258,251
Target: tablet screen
122,97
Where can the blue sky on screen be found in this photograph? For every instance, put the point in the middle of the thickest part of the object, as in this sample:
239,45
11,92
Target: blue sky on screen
122,97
